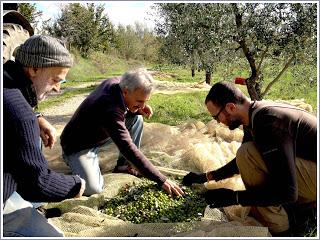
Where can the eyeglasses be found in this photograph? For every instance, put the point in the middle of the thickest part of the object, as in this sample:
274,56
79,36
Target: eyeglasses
59,81
215,117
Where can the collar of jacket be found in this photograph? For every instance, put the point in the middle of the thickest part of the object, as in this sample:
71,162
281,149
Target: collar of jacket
15,77
251,108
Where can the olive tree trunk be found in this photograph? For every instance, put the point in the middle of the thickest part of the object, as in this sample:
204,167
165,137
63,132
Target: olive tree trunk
208,77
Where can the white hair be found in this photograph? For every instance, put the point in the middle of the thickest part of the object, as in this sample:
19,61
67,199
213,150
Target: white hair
137,79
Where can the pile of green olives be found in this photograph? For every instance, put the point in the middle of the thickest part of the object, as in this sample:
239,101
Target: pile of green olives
145,202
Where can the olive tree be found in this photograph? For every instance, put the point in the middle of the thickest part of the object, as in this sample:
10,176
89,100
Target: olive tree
285,31
191,30
215,32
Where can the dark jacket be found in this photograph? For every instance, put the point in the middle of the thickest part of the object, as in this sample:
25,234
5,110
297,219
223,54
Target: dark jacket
281,133
101,116
25,169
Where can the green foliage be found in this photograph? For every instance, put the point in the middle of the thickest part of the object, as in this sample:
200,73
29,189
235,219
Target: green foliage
205,35
29,11
146,203
85,27
136,42
280,31
88,30
99,65
190,34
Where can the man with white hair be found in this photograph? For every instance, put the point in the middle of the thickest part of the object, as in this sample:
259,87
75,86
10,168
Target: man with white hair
112,112
40,64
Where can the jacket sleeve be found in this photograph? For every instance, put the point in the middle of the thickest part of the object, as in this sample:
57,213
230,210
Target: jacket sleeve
35,181
226,171
114,125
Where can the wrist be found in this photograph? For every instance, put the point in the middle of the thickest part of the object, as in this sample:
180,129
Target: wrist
237,197
39,114
212,176
208,176
215,176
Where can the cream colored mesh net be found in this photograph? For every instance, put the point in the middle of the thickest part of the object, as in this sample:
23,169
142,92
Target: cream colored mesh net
193,146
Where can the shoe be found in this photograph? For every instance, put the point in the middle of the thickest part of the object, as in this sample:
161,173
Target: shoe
50,212
287,233
127,169
302,218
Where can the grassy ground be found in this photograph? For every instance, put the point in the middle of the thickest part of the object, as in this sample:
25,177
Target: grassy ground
178,108
290,86
182,106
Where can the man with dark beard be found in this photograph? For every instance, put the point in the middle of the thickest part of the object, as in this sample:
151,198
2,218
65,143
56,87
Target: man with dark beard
276,160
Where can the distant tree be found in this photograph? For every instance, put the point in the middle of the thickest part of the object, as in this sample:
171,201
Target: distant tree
150,43
85,27
127,42
137,42
30,12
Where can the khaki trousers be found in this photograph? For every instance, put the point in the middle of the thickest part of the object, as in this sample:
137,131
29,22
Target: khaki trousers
253,172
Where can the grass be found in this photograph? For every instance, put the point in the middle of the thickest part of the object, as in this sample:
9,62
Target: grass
178,108
176,74
290,85
99,66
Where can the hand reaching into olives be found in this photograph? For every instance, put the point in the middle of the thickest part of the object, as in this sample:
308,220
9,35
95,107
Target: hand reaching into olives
172,188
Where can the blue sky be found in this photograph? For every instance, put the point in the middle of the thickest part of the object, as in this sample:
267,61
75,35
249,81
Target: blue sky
119,12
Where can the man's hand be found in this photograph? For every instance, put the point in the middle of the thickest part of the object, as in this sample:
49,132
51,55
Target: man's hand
221,197
192,177
146,111
47,132
172,188
83,187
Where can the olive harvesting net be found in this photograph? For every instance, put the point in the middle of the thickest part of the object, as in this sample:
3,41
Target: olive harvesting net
135,207
136,214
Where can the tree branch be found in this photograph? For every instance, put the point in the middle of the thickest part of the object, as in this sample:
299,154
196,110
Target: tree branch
262,58
279,75
242,41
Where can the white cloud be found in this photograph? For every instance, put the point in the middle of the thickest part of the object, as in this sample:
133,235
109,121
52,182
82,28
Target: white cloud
127,13
49,9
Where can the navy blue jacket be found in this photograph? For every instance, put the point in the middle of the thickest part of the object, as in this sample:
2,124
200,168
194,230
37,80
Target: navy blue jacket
25,169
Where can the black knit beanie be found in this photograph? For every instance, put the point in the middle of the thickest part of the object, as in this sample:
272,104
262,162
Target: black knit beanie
43,51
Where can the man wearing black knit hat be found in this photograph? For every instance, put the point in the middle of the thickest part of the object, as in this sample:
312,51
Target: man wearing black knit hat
40,64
